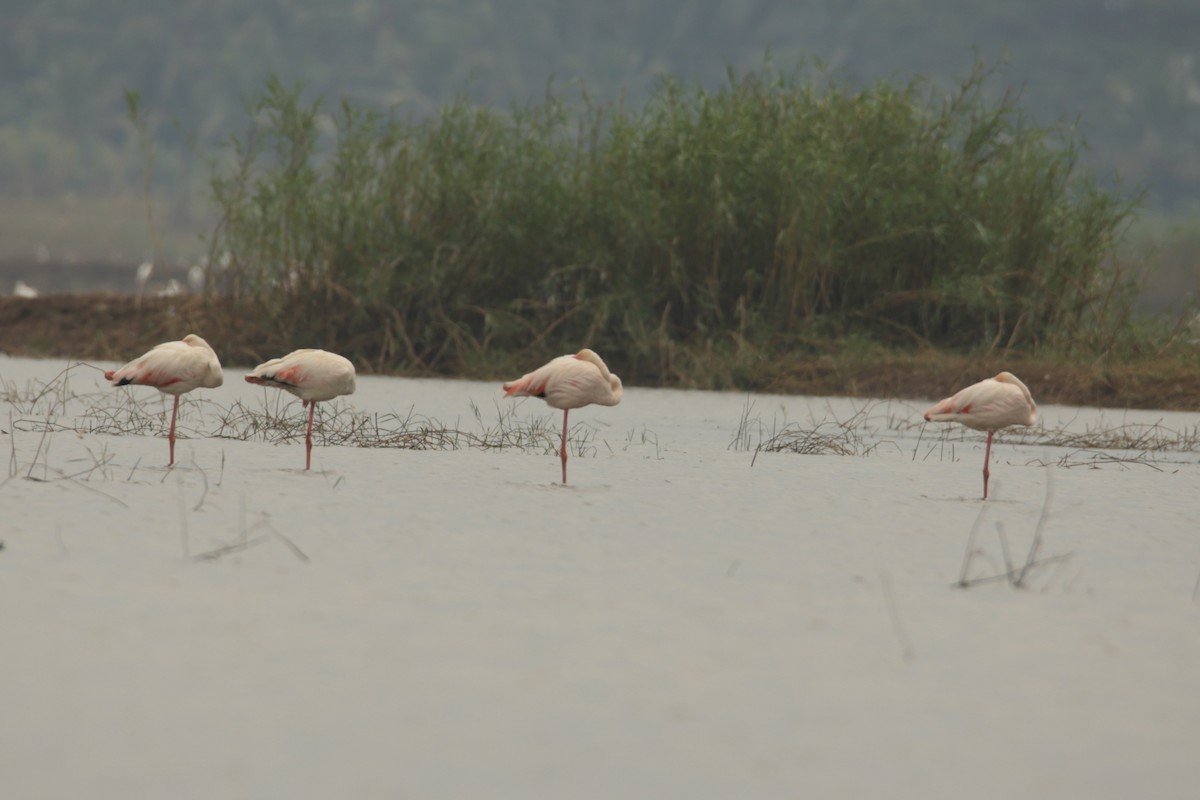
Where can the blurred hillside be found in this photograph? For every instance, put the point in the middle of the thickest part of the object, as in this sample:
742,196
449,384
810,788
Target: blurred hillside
69,157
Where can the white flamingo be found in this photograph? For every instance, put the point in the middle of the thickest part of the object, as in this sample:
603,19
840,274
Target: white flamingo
174,368
570,381
311,375
989,405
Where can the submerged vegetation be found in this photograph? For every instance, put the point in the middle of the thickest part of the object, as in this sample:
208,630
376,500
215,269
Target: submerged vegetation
72,402
692,241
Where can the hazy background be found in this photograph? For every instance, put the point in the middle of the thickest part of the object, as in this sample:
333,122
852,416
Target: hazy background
72,168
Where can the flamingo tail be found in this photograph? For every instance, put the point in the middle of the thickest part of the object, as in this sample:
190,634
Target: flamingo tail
524,386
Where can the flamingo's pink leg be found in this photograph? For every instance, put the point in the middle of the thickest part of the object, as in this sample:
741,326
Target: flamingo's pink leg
312,406
171,435
562,452
987,456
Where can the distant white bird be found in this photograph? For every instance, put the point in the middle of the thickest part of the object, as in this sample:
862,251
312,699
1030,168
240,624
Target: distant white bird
172,289
989,405
195,278
173,368
311,375
571,381
144,271
23,289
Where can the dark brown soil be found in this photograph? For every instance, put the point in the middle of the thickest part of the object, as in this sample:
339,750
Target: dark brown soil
1164,384
116,327
100,326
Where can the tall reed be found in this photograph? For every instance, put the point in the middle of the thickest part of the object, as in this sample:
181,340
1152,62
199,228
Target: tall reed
705,231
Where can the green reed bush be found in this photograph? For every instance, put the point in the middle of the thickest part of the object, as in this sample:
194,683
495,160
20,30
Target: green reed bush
703,232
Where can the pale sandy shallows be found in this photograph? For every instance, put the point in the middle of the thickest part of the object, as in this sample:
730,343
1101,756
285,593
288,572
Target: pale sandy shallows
687,620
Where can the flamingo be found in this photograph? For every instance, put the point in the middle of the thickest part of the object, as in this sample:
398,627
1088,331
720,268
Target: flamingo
989,405
172,368
570,381
311,375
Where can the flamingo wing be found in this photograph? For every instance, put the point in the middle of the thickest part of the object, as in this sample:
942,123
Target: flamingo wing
171,367
569,381
534,384
988,405
311,375
578,384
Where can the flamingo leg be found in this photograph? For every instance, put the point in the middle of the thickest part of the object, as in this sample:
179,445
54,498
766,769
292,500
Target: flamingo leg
171,435
562,451
987,456
312,407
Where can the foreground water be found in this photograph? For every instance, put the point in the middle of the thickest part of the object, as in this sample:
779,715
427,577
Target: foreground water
693,617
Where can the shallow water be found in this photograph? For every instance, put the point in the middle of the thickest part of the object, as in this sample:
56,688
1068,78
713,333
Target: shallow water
692,617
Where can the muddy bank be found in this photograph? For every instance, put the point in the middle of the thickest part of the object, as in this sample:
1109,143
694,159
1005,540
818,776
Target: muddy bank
117,327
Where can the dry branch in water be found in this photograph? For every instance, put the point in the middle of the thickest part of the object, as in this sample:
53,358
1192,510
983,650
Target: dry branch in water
858,435
1016,576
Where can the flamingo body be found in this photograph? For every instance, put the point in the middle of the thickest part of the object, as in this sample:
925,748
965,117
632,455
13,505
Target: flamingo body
989,405
173,368
311,375
567,382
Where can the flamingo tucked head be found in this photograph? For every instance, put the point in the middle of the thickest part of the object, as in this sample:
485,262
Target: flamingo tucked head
614,383
1013,380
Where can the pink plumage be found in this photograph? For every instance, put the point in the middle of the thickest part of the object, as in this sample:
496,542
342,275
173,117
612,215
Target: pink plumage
311,375
570,381
173,368
989,405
